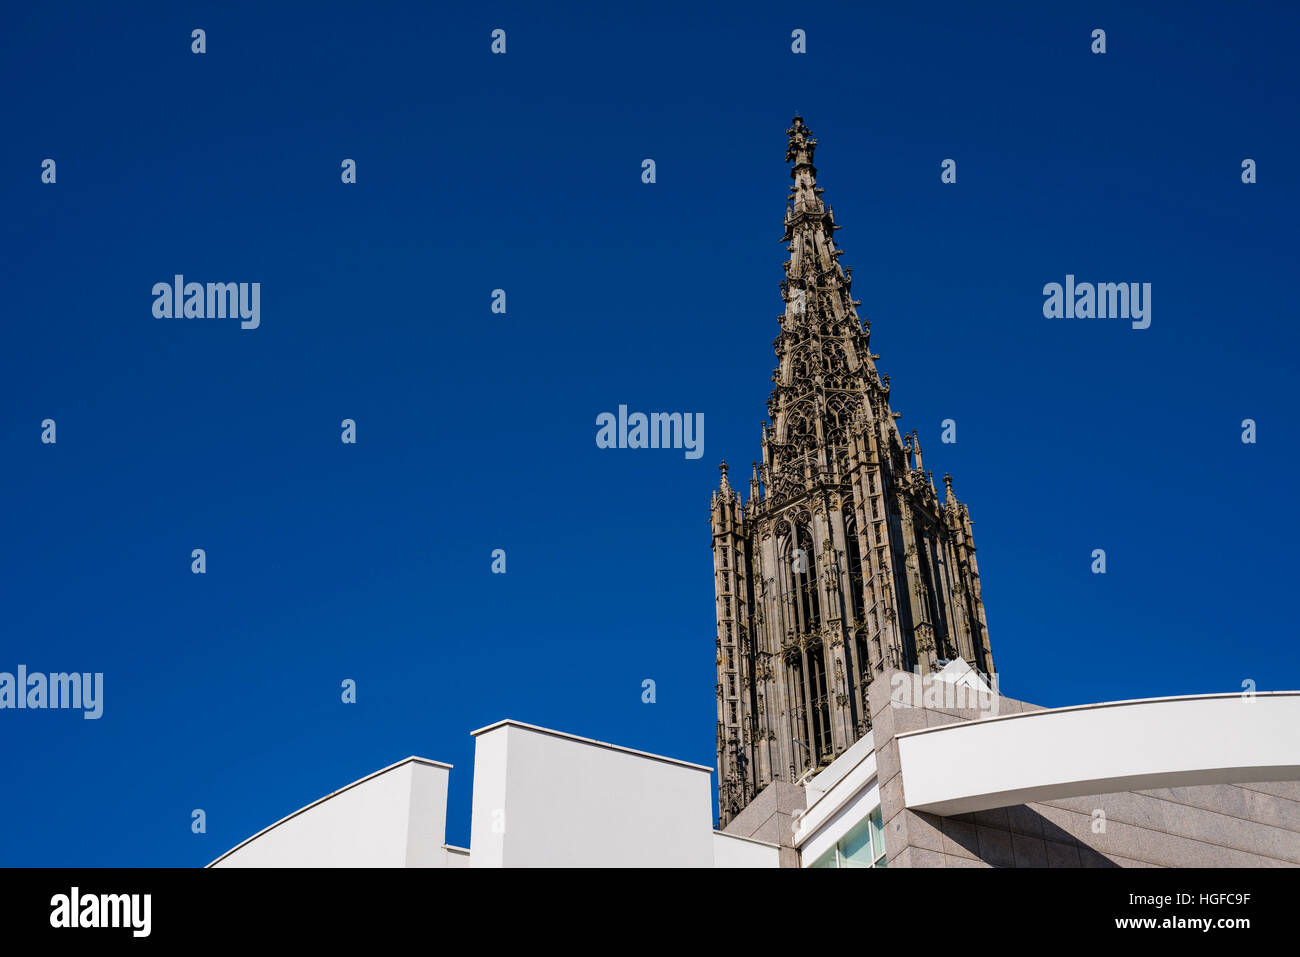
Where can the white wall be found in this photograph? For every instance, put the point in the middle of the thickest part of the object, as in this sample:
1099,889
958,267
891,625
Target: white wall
541,798
570,801
732,851
395,817
456,856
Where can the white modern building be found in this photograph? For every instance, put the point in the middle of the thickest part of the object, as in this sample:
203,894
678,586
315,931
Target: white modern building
951,775
541,799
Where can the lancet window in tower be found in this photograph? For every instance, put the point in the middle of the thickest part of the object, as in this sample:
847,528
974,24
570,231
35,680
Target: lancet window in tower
805,576
785,590
862,656
795,692
820,709
853,554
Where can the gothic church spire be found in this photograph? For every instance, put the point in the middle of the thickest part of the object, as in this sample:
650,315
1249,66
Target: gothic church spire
843,562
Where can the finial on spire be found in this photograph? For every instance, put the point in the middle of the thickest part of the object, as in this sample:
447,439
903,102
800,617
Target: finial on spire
801,146
726,484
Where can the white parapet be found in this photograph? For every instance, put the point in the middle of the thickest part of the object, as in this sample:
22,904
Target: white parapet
1102,749
547,799
395,817
541,798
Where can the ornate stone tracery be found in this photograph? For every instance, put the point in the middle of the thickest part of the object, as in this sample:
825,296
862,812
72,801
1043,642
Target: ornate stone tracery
843,559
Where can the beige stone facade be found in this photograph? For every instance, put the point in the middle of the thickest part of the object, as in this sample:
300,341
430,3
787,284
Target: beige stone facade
1218,825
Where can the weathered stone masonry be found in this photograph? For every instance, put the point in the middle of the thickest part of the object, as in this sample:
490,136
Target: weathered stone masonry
843,561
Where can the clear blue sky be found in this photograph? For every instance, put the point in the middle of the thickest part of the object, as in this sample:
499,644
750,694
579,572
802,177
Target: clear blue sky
476,431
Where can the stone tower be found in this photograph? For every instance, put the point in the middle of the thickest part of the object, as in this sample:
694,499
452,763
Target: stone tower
843,561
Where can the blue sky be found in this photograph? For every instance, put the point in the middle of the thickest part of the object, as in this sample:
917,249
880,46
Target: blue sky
476,431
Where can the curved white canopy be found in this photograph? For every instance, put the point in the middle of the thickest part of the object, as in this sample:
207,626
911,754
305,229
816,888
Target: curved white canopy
1101,749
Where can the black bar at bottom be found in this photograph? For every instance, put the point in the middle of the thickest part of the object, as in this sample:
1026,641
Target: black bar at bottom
332,907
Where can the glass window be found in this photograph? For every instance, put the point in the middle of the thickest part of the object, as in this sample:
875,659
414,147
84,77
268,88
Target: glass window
855,848
877,837
864,846
826,860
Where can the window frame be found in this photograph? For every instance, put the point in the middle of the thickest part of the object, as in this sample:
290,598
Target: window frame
874,828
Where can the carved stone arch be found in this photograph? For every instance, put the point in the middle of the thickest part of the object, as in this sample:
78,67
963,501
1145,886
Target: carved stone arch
834,357
841,409
798,366
852,357
785,485
843,459
799,424
802,363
